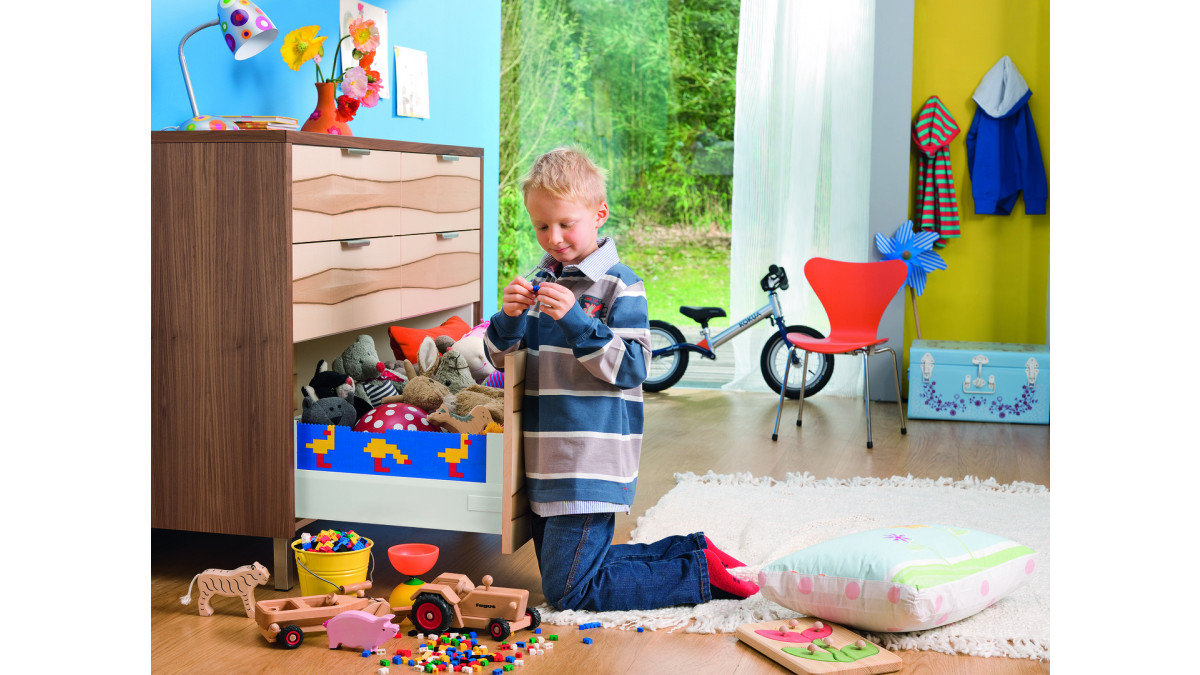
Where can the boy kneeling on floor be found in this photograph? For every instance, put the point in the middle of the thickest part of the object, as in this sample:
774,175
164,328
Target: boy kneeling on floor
587,335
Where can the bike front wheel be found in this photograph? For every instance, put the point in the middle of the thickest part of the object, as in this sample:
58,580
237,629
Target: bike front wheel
774,361
666,369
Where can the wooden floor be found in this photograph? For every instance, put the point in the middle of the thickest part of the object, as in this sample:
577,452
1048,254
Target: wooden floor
686,430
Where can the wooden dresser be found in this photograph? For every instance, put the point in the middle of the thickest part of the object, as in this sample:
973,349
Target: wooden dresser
265,239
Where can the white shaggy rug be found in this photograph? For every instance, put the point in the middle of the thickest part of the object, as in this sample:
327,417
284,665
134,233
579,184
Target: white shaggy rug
758,520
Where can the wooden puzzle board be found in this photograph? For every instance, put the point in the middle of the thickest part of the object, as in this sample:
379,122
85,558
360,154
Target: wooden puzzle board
771,641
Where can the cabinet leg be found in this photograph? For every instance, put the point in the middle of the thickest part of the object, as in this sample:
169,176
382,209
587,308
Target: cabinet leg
284,571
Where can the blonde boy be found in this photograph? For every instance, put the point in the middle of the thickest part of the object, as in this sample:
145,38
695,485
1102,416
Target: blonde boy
588,344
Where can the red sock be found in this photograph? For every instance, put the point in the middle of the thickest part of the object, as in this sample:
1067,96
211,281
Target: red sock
726,559
725,585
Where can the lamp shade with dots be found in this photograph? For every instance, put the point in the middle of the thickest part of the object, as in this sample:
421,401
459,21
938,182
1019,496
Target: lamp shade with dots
247,29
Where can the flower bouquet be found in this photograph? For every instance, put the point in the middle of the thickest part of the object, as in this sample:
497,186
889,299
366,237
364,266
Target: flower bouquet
359,85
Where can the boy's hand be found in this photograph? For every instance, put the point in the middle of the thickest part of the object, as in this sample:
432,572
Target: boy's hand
556,299
518,297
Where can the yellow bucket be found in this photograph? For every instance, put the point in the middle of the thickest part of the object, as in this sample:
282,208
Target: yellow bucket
324,573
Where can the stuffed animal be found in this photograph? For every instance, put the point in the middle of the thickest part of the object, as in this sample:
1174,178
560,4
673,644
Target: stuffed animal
325,411
473,423
476,395
422,392
330,384
471,346
360,361
440,376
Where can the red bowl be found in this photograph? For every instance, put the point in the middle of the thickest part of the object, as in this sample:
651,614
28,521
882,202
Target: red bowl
413,559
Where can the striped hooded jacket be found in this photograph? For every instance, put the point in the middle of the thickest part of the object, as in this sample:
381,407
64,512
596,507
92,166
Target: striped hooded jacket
937,203
582,412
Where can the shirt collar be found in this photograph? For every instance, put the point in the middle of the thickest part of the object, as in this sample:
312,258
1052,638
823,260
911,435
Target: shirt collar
595,265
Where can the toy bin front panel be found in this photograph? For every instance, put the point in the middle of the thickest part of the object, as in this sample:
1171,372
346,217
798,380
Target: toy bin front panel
405,478
979,382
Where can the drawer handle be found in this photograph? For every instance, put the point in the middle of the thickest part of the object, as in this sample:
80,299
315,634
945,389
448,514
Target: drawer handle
357,151
352,243
448,158
447,235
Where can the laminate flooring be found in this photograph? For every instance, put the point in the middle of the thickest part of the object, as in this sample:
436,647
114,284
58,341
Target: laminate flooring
686,430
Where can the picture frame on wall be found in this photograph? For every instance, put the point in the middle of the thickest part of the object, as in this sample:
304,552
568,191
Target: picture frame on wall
350,10
412,83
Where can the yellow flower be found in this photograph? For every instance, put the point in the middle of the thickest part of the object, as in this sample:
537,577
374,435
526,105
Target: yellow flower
301,45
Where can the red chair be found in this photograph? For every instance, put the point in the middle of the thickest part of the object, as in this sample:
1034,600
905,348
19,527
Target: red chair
854,296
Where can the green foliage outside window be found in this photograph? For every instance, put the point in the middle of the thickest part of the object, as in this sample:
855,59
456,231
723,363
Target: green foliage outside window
647,88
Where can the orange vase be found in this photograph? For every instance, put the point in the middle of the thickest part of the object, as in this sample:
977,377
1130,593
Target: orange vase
324,119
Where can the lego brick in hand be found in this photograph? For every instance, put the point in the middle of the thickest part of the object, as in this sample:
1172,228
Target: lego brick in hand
474,422
239,582
325,411
361,630
360,361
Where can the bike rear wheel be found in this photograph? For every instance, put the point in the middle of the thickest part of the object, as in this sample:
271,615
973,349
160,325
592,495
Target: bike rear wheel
665,370
774,361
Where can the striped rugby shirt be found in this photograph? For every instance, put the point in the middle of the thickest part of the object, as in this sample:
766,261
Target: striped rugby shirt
582,410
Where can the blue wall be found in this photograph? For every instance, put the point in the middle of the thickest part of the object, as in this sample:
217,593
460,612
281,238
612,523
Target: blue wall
461,38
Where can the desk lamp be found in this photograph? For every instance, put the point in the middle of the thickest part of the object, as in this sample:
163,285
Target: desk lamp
248,31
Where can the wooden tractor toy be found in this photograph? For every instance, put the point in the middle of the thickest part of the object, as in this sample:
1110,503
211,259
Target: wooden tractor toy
452,601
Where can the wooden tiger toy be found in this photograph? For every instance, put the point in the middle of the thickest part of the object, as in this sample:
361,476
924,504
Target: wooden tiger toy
239,582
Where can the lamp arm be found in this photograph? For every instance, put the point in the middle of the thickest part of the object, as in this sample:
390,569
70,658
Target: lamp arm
187,80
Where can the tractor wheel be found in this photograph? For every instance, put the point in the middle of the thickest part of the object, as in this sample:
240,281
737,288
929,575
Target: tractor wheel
290,637
431,613
499,630
535,617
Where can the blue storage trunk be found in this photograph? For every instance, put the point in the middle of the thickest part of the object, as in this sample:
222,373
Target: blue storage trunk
979,381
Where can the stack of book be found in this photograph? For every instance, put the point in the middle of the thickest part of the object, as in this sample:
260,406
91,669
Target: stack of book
248,122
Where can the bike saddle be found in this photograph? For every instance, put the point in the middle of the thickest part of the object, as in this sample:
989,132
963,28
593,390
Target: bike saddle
702,314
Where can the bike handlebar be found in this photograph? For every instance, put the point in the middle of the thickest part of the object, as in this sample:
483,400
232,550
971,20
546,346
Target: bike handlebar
776,278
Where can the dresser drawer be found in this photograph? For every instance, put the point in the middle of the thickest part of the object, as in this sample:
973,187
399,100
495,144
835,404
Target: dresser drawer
440,193
339,286
343,193
440,271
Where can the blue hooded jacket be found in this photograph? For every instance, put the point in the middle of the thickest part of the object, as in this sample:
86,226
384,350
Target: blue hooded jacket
1003,156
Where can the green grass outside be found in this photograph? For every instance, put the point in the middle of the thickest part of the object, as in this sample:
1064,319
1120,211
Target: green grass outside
679,268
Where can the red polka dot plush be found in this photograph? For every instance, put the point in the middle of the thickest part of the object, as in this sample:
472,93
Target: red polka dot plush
391,416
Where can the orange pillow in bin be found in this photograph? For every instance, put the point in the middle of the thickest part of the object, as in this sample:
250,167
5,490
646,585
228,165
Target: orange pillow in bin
406,342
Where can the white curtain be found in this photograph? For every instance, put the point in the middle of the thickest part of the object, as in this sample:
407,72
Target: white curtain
802,139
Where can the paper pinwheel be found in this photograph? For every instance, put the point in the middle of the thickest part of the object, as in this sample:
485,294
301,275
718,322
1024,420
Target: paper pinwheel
915,249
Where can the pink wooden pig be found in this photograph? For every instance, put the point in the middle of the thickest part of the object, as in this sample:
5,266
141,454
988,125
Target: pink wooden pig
360,629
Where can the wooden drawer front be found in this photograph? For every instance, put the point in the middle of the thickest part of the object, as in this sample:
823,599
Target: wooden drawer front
338,287
439,272
339,194
440,194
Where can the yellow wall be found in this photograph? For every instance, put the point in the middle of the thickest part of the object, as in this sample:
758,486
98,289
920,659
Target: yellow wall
995,287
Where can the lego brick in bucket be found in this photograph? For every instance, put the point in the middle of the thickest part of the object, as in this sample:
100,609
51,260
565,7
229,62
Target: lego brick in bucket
399,453
322,572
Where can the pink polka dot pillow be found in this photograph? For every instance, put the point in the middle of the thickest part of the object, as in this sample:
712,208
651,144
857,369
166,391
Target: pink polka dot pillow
896,579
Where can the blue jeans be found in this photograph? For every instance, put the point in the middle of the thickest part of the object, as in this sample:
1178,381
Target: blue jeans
582,569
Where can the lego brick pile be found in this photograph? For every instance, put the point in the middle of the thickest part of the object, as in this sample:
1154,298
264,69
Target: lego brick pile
333,541
462,653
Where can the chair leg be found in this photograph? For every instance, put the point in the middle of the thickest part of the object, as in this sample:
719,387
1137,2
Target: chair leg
782,391
899,402
867,396
803,386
